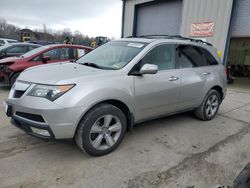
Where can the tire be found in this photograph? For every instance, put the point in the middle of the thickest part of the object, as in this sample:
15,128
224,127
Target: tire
207,111
13,78
96,133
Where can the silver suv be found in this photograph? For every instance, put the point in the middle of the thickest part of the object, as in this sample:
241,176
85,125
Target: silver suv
106,92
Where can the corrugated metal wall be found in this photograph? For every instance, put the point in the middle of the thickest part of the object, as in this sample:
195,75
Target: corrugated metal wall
218,11
241,19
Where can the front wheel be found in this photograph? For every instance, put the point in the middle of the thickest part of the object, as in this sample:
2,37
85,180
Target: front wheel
101,130
209,107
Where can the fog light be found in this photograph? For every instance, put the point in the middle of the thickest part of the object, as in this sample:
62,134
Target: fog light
40,131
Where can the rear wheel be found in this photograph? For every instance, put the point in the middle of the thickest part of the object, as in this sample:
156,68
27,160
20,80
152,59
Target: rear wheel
101,130
209,107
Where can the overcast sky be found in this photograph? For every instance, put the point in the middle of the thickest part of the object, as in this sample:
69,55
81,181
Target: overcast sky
90,17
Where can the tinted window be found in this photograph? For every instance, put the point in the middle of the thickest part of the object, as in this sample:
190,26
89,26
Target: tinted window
163,56
193,56
1,42
17,49
210,59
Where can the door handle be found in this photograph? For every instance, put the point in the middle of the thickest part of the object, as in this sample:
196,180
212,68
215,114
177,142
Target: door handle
206,73
173,78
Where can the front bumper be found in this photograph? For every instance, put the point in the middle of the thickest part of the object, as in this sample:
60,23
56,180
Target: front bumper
32,114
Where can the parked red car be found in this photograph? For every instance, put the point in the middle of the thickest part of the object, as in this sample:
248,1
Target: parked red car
11,67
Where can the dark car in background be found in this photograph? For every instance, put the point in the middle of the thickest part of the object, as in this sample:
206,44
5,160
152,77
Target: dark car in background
16,49
11,67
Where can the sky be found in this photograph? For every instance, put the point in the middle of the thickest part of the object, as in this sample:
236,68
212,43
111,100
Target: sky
90,17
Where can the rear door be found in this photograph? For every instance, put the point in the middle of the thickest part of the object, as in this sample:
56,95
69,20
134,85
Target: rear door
158,94
195,75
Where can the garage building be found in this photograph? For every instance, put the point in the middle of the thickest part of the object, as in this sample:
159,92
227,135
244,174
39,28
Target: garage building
224,23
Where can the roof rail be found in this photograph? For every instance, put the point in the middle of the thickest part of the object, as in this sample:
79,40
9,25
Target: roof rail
179,37
192,39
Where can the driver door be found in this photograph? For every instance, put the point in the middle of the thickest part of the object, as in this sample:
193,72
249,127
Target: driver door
158,94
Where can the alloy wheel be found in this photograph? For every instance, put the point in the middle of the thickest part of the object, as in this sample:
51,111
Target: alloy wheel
212,105
105,132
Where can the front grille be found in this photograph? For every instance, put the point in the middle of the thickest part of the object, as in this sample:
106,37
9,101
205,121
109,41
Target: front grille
18,94
33,117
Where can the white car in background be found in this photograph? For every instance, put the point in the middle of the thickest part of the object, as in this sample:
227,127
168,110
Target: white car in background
4,41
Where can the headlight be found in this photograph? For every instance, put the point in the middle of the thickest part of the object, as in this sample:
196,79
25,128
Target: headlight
50,92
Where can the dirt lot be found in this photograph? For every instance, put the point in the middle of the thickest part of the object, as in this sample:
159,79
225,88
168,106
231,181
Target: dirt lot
177,151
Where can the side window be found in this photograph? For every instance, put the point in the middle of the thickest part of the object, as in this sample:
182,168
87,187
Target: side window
37,58
81,52
163,56
210,59
64,54
2,42
191,56
73,53
16,49
54,54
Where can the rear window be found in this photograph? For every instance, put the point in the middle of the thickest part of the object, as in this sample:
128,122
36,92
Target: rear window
210,58
191,56
194,56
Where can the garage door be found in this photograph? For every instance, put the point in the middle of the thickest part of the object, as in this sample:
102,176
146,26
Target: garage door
159,18
241,19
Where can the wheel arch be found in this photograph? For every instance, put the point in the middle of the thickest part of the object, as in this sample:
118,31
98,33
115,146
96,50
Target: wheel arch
117,103
220,90
13,74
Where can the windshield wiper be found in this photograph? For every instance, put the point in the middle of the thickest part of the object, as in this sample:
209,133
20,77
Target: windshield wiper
92,65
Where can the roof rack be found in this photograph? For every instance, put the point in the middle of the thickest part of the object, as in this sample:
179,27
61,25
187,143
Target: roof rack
179,37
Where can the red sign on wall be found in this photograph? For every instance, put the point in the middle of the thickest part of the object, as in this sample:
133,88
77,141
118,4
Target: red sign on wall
202,29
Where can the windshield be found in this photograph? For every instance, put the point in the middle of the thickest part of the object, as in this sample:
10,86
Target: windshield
32,52
112,55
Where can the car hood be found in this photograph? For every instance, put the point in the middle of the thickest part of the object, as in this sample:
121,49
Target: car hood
61,73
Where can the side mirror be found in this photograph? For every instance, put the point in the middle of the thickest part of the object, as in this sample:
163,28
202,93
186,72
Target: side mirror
149,69
45,59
